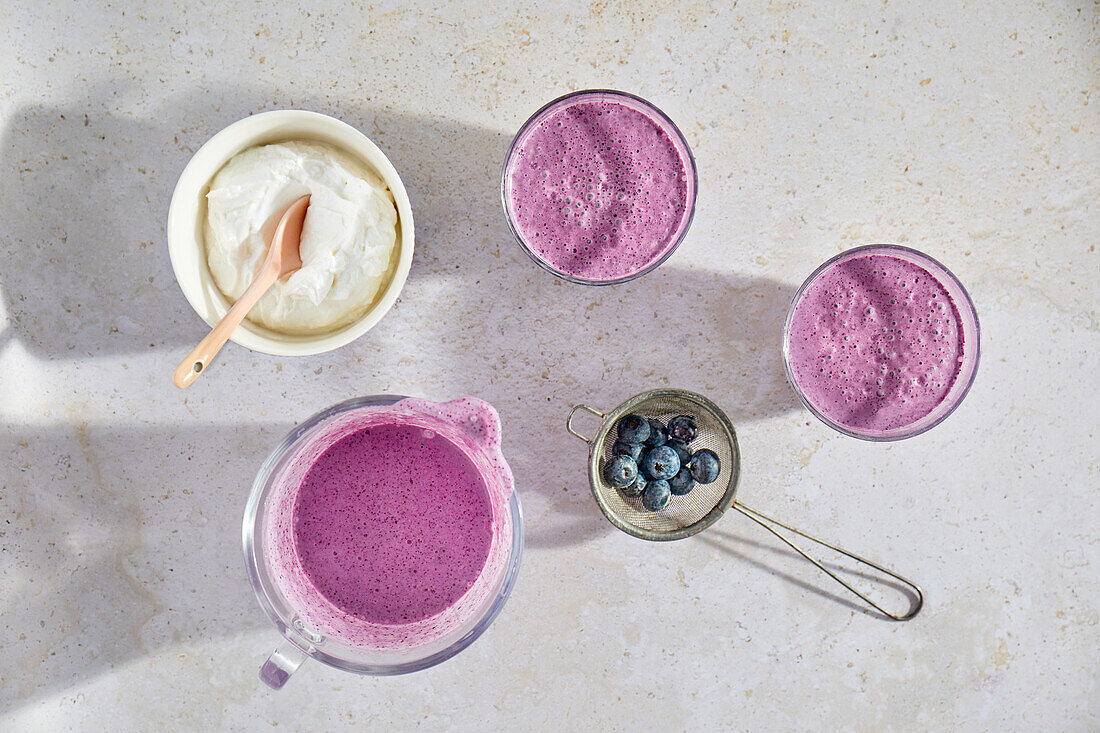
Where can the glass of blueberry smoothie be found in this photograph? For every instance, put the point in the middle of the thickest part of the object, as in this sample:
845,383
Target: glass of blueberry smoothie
383,535
599,187
882,342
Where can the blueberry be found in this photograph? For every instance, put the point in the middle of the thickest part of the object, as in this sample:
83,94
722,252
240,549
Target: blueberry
683,427
620,471
705,466
656,495
636,488
660,462
657,433
622,448
682,482
682,451
633,429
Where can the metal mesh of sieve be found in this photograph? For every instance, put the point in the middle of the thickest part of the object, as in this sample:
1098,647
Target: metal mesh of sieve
684,515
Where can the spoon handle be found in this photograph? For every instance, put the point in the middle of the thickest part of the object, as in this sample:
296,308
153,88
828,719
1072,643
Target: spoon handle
196,362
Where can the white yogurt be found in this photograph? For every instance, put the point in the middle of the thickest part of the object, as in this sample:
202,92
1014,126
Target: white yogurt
348,238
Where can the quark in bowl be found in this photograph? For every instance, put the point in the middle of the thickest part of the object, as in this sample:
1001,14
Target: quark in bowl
348,237
188,213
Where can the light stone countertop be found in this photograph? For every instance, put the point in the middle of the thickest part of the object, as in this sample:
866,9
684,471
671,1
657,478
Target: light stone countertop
968,130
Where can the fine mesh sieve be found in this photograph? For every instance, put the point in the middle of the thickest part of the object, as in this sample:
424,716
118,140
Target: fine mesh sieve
705,503
685,515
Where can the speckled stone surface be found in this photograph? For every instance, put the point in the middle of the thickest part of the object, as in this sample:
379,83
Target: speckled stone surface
966,130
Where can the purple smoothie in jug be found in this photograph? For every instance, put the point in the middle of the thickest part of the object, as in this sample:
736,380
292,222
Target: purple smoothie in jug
877,343
599,187
391,527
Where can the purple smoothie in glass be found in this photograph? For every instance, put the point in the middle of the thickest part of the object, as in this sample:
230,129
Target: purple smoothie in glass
877,344
599,187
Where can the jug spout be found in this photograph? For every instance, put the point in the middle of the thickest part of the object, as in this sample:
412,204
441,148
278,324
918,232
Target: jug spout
478,420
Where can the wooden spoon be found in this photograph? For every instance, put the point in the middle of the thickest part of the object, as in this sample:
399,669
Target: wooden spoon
282,258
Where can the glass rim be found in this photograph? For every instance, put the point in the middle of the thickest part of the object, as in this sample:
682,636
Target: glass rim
508,581
661,117
906,432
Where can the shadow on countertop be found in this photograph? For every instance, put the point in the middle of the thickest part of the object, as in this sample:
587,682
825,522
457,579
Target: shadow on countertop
118,542
534,345
85,196
789,566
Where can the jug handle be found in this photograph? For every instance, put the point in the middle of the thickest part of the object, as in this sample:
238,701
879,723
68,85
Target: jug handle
282,663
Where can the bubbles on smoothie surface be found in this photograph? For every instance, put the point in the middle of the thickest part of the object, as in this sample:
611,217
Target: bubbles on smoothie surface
598,190
875,342
392,524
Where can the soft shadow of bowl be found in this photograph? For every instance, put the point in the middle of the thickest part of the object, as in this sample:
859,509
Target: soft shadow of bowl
83,200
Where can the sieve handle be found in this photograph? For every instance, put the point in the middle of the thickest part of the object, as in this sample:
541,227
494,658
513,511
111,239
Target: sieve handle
574,411
766,523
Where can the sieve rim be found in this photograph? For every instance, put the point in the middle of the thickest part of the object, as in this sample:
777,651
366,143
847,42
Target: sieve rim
608,423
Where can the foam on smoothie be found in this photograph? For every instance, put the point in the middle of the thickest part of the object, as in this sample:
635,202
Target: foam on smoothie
875,343
391,526
599,190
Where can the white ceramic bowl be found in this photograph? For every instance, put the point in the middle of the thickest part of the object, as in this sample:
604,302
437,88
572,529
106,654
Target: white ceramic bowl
187,214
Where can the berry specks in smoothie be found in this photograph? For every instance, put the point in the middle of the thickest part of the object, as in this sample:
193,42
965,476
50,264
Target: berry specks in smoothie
392,524
599,190
875,342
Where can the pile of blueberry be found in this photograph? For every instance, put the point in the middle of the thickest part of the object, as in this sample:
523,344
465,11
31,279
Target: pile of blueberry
656,463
